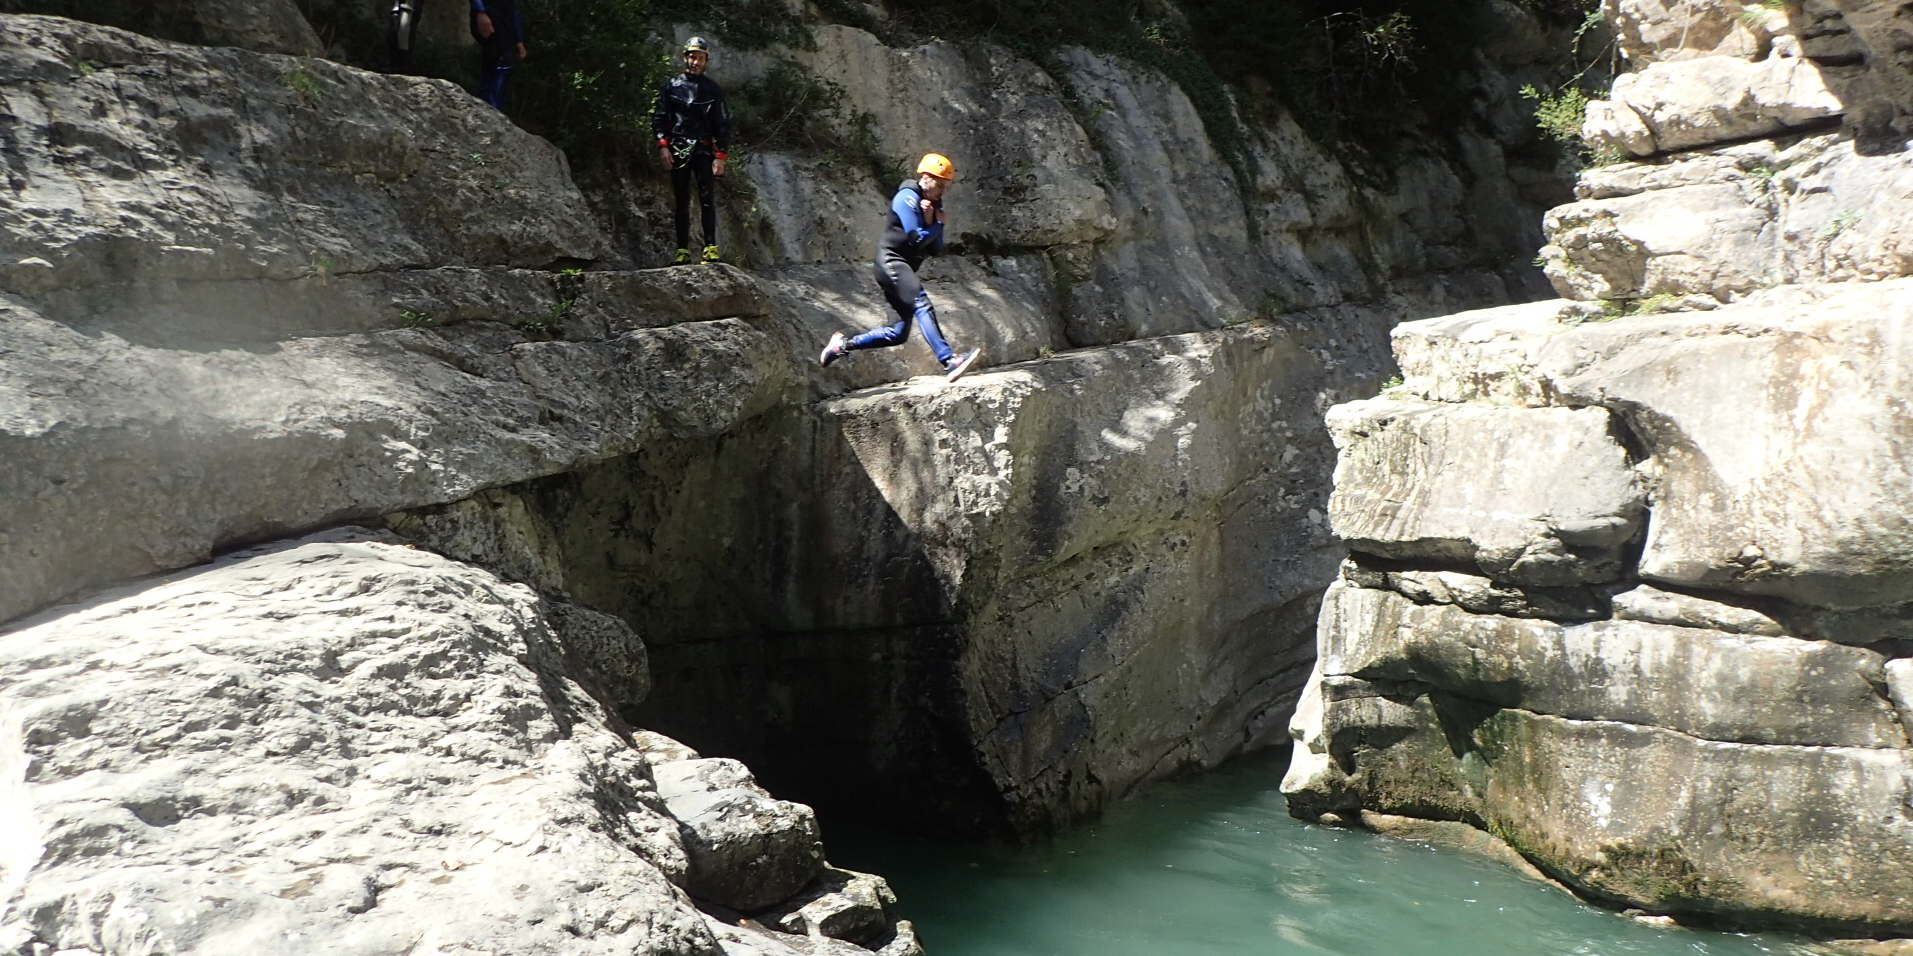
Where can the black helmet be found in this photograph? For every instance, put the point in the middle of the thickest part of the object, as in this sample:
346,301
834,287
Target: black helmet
696,45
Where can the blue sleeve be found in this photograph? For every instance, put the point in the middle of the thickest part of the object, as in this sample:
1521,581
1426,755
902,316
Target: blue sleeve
478,6
904,204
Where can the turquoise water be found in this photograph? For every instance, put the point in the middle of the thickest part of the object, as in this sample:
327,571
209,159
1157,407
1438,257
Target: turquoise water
1215,866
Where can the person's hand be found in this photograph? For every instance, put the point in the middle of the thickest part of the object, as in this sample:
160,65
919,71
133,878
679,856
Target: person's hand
717,167
482,22
929,211
664,155
522,53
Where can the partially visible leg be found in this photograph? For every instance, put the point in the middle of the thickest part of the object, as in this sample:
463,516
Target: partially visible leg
706,194
900,288
681,195
494,65
932,333
904,291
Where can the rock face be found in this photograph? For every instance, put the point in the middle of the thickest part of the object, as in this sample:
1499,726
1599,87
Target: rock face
344,736
249,312
248,296
1694,703
938,536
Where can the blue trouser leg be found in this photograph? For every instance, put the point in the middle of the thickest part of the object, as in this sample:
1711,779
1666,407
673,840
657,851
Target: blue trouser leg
904,292
494,65
932,333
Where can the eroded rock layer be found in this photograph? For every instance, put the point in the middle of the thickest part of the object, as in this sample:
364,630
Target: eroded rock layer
1631,579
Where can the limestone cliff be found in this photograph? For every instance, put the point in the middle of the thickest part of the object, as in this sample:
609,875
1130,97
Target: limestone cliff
250,297
1630,578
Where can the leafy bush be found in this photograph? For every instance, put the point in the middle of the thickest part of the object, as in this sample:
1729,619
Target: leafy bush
594,72
1558,114
744,24
794,111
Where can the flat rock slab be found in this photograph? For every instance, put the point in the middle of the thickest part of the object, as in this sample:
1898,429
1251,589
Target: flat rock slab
1536,496
123,459
1707,684
1769,427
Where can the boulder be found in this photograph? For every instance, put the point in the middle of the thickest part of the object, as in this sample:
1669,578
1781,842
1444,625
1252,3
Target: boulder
1735,412
1655,606
746,849
1629,814
1715,238
1654,31
272,26
1549,498
841,905
264,26
1690,103
197,164
335,742
1727,222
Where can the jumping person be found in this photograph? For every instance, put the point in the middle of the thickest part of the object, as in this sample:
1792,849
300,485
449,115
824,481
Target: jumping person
693,126
912,231
500,32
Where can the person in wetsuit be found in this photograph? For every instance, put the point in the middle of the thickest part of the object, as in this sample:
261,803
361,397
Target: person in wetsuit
913,230
693,126
500,31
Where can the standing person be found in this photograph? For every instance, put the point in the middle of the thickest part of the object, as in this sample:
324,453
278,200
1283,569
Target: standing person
500,32
693,126
912,231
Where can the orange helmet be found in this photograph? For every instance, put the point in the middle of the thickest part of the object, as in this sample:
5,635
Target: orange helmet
938,165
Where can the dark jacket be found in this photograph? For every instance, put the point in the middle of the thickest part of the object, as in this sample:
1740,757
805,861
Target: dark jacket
508,25
692,108
903,230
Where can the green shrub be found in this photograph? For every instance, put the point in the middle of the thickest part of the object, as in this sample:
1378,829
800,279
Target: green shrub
1559,114
594,71
744,24
791,110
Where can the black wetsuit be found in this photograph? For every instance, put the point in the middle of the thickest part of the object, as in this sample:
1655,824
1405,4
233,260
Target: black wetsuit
693,121
901,249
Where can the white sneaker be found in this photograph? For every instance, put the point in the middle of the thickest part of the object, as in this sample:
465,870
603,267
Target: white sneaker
960,364
833,350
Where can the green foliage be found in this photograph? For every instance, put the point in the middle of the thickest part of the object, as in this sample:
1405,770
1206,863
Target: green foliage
1044,351
418,319
1559,114
1367,71
1394,381
550,324
593,75
1846,219
299,81
1611,309
791,110
744,24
